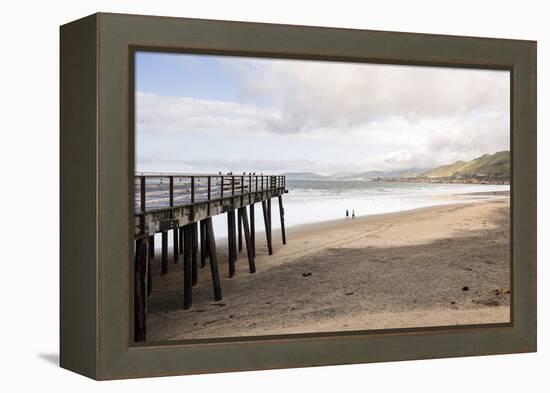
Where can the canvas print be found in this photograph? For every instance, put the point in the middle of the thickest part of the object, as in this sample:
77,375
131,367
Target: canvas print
278,196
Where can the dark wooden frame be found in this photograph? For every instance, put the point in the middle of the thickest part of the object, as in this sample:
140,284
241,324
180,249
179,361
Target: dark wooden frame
97,208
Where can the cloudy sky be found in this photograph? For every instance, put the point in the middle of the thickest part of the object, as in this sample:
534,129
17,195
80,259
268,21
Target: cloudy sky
199,114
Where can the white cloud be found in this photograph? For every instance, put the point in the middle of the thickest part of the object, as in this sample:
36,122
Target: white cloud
404,116
160,114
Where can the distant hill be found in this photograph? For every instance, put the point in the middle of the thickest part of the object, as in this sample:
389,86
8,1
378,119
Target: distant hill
497,164
408,172
304,176
370,175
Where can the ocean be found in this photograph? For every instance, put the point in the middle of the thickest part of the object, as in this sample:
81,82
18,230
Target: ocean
311,201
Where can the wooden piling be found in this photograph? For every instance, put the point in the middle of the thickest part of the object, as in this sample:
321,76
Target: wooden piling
187,269
267,224
150,256
231,242
269,218
140,290
213,259
194,251
180,241
252,229
269,212
175,241
203,243
282,214
152,246
164,260
246,228
149,279
240,231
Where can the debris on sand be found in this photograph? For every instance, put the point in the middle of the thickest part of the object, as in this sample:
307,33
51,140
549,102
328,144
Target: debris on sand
501,291
487,302
465,288
306,274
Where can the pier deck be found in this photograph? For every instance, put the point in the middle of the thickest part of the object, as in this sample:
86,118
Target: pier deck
184,204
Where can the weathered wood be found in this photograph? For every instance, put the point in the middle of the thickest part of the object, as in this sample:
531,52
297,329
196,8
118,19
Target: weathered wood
152,246
180,241
171,190
282,214
240,231
231,242
194,251
270,218
149,278
253,229
142,195
140,289
164,260
269,212
175,241
192,199
246,228
203,243
187,269
267,227
213,259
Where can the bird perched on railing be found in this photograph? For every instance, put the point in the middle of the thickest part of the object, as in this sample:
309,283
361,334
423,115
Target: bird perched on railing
220,173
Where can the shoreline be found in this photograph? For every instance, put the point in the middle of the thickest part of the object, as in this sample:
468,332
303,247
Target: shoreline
497,194
392,270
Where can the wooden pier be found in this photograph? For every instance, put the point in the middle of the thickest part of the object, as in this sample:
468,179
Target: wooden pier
184,205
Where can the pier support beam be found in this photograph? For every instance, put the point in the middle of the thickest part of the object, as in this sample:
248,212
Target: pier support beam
240,230
164,257
204,250
150,257
282,214
187,269
253,230
244,220
231,242
152,246
194,251
175,241
267,223
180,238
269,214
213,259
140,289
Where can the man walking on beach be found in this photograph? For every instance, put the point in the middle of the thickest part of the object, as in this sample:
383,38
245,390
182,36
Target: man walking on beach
347,214
353,214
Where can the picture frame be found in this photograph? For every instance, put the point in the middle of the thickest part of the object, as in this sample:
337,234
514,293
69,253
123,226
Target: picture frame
96,195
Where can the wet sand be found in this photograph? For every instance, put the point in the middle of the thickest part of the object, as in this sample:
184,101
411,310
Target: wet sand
436,266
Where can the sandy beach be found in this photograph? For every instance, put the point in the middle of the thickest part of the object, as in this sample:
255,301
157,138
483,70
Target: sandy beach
435,266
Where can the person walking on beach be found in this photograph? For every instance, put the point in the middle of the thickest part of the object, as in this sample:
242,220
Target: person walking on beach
347,214
353,214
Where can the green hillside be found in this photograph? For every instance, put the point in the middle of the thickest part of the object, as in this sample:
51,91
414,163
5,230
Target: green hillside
497,164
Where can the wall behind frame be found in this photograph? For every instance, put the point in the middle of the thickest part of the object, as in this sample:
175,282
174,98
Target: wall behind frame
30,296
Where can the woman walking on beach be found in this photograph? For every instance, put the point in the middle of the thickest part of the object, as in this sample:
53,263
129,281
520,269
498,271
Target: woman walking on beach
353,214
347,214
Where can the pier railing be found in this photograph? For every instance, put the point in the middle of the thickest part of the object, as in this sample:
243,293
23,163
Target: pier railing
184,205
154,192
